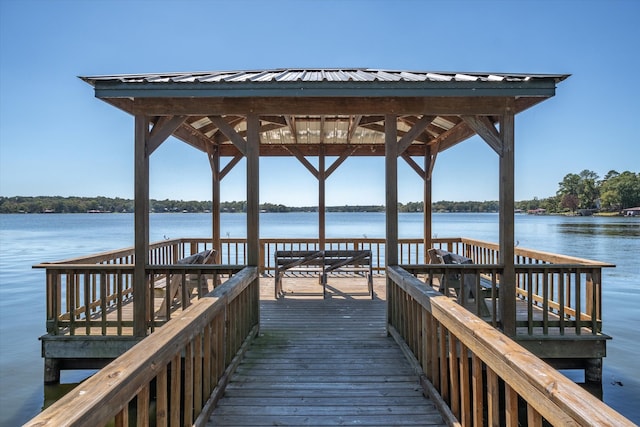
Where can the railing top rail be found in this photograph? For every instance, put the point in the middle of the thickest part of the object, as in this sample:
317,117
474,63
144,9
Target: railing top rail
521,267
99,398
129,267
85,266
534,253
116,253
530,253
552,394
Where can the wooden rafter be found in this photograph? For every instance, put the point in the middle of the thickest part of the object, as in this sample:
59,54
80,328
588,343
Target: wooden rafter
291,122
452,137
230,132
354,122
193,137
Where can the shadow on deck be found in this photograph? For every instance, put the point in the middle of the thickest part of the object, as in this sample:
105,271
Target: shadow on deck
324,362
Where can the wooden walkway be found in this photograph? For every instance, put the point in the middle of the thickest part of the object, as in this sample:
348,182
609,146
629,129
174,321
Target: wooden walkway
324,362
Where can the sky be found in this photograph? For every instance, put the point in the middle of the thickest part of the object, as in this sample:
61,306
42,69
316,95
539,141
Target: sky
57,139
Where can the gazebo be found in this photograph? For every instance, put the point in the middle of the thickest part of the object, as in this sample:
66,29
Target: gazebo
323,113
176,363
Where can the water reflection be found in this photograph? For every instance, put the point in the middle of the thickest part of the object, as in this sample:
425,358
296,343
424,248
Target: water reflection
630,229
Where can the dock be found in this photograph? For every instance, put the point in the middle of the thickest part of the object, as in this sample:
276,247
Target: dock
557,313
324,362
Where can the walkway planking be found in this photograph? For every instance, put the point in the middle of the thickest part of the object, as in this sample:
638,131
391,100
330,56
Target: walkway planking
324,362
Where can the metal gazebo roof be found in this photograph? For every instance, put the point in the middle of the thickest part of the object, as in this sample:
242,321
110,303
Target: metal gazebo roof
336,109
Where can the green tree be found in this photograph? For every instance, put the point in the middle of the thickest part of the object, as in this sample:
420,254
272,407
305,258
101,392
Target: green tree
620,190
589,191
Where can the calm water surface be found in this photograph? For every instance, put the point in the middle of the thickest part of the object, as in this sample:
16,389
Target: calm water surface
26,240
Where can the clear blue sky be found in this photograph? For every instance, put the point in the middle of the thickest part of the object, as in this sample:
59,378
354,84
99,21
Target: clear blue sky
57,139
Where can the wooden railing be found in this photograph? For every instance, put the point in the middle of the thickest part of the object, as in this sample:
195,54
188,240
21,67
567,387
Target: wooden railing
477,375
86,295
568,290
187,364
97,299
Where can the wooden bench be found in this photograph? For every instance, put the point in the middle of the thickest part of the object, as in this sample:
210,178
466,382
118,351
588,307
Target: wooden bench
454,281
192,281
323,263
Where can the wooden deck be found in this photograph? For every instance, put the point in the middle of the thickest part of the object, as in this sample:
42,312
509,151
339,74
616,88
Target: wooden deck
324,362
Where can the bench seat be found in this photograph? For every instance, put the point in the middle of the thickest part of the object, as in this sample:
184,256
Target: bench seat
323,263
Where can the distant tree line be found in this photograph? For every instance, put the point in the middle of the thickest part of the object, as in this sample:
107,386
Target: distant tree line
583,191
586,191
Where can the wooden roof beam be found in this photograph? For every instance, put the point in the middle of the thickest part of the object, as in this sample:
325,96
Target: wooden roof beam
443,105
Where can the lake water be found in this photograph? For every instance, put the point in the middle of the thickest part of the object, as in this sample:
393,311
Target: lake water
26,240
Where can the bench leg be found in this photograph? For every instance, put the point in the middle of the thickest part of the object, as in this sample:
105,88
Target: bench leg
323,280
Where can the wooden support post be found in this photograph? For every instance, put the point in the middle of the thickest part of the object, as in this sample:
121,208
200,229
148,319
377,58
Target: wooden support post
141,224
214,162
427,201
507,229
322,178
391,179
253,189
593,371
391,203
51,371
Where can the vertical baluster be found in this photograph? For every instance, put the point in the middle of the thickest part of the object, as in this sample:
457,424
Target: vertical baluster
511,406
534,419
176,386
143,406
493,399
529,281
161,398
561,294
188,384
545,303
197,375
103,301
444,378
454,374
465,398
476,389
578,297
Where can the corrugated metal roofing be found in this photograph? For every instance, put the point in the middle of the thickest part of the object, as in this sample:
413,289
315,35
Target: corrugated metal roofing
352,114
321,75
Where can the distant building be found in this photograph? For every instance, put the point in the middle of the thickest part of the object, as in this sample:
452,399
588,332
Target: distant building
538,211
631,211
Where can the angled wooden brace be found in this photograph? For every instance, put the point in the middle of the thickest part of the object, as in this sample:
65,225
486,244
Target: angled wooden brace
230,133
162,130
487,131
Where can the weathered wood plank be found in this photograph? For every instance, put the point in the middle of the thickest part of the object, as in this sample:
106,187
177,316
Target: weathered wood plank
324,362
